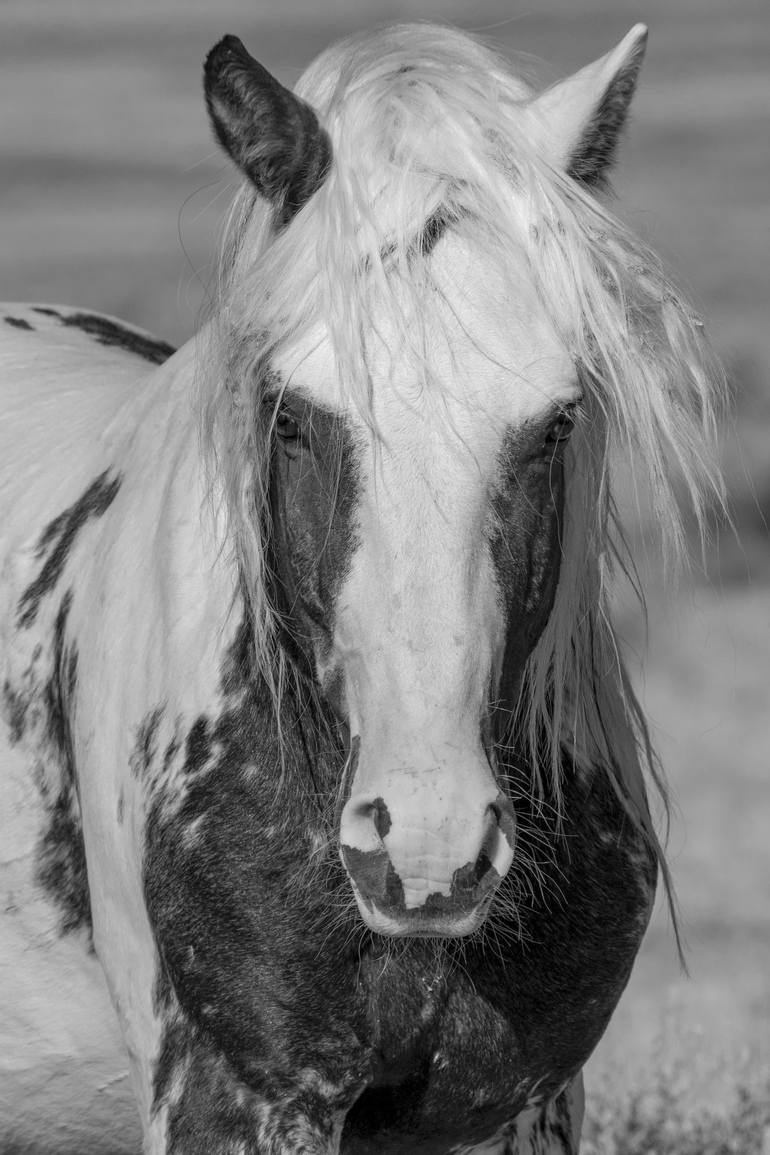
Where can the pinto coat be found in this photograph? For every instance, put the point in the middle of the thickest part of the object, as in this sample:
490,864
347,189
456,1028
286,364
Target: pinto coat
325,814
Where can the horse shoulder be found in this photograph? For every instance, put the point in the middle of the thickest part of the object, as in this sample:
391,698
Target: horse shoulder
65,1084
61,390
99,452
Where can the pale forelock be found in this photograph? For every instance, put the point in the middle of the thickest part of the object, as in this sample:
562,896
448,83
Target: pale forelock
425,120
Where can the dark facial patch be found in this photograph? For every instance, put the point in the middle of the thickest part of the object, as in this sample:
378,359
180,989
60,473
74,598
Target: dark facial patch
313,497
112,333
18,323
58,538
524,535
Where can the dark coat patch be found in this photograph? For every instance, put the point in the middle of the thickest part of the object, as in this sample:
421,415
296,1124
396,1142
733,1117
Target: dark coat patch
216,1112
285,1000
18,323
61,856
16,705
524,536
145,746
198,746
110,332
57,540
240,919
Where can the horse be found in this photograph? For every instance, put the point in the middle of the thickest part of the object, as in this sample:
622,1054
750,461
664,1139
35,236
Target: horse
325,822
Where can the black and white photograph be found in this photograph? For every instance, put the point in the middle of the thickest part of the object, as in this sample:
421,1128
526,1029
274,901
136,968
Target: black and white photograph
384,577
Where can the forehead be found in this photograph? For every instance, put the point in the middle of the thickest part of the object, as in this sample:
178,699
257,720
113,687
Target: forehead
482,344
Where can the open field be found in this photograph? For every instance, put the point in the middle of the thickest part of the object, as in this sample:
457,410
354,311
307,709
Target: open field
706,685
111,196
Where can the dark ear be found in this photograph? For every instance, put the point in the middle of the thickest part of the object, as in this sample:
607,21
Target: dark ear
578,121
272,135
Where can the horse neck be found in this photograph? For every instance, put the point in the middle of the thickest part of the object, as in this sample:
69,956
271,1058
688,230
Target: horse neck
162,567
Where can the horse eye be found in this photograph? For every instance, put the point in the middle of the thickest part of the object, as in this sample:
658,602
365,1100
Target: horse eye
286,427
561,429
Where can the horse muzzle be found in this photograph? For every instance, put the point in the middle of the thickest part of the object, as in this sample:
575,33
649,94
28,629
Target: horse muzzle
430,874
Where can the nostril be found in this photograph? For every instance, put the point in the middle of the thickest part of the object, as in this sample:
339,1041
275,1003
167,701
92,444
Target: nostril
497,844
482,866
364,823
504,818
491,835
381,817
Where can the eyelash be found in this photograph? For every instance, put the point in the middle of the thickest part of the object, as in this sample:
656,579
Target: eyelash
562,426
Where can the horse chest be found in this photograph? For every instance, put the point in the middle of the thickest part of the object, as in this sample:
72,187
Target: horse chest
465,1045
414,1044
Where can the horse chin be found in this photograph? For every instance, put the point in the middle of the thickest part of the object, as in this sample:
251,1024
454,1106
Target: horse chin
402,923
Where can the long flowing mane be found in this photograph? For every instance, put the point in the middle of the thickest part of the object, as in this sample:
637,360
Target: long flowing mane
427,125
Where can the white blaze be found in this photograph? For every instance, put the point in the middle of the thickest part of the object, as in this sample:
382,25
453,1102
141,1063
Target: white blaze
419,630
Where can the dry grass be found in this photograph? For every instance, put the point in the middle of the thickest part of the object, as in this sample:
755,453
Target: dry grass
692,1100
700,1083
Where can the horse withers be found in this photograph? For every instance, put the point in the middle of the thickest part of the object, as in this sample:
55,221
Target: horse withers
324,823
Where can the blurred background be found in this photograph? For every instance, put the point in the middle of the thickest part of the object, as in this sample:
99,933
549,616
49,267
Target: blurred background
112,196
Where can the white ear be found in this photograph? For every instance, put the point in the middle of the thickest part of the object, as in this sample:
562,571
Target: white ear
577,122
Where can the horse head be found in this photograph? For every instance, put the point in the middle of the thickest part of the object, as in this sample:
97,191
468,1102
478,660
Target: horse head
419,395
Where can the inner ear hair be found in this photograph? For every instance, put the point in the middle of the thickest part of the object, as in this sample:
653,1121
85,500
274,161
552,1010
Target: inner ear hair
595,152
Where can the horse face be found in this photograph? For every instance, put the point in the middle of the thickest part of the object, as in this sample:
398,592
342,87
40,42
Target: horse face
418,566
